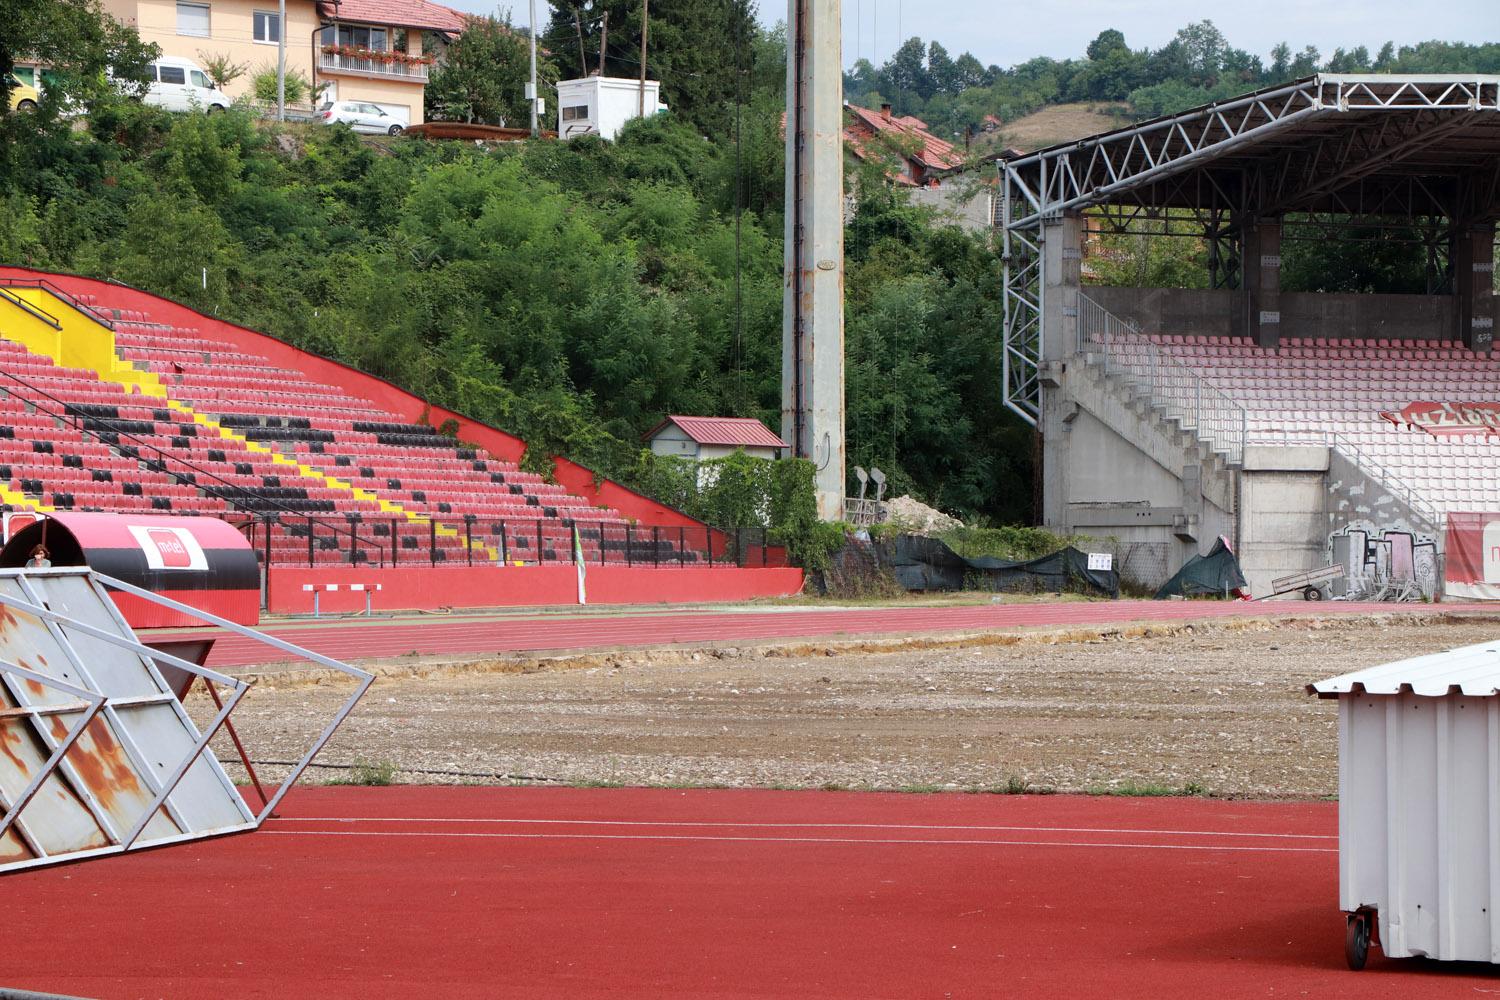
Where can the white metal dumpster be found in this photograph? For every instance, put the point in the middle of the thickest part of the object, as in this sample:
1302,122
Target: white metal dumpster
1419,805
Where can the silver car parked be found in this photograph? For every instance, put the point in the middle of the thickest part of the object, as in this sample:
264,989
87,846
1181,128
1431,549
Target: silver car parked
362,116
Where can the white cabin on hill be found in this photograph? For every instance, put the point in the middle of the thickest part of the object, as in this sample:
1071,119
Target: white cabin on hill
601,105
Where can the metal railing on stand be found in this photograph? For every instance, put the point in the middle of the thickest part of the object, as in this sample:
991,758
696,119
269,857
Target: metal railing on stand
1181,393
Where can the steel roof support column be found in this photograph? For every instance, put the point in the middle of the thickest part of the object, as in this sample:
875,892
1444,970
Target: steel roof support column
1225,258
1474,281
1262,282
1021,296
1062,269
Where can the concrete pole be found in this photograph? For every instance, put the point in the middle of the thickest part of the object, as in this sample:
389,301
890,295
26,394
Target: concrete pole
534,95
1060,287
281,61
812,354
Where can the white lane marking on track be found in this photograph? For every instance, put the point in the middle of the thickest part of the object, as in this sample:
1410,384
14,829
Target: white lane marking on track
799,840
800,826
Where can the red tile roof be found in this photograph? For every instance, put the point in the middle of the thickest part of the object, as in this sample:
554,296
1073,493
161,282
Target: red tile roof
932,153
730,432
400,13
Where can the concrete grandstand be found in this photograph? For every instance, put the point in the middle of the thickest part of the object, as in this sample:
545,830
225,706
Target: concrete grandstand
117,400
1307,428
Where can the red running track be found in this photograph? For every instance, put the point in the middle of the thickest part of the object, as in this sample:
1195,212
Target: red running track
636,893
471,636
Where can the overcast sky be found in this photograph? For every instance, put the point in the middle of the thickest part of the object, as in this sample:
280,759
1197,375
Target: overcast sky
1004,32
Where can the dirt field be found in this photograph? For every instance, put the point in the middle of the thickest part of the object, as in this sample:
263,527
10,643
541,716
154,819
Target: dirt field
1215,708
1058,123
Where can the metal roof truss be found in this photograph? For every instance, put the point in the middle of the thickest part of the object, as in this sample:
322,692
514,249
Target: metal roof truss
1367,151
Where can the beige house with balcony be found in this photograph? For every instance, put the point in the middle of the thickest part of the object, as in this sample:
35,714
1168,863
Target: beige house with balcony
379,51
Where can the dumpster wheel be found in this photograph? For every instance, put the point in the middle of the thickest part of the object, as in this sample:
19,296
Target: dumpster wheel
1358,930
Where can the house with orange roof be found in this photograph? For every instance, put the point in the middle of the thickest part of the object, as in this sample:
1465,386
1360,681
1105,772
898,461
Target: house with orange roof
914,157
934,169
380,51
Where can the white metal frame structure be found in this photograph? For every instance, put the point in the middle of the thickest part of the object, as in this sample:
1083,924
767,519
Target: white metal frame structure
97,755
1418,152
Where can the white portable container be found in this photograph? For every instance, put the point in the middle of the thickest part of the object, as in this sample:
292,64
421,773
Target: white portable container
1419,805
601,105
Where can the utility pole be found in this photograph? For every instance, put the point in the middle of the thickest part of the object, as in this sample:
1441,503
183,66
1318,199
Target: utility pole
645,27
535,125
603,42
583,60
281,61
812,341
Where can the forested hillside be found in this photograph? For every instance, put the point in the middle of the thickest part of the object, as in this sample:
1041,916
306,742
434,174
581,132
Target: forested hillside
1198,65
572,293
576,293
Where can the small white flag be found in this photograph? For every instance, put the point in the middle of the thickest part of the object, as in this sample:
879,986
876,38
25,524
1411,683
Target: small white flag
578,561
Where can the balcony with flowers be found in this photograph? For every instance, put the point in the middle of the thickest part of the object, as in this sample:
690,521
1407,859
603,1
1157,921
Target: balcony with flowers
364,60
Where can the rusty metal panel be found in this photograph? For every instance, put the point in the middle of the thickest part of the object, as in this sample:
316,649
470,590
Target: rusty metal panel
55,809
97,753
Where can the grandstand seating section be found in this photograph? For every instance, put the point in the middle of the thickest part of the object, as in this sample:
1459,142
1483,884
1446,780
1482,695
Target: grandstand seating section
307,456
1306,391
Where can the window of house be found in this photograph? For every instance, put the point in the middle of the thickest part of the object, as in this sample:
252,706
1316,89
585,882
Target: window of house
171,74
362,37
26,74
267,26
192,19
576,113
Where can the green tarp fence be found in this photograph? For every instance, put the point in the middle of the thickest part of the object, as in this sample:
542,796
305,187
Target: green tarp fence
921,563
1216,574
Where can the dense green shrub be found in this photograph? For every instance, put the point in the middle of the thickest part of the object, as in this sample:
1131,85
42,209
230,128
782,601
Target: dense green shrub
739,491
296,88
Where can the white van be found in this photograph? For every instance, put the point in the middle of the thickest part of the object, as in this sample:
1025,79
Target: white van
181,85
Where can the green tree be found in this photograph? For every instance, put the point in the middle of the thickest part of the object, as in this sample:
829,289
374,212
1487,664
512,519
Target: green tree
692,48
79,42
1106,42
484,73
1306,62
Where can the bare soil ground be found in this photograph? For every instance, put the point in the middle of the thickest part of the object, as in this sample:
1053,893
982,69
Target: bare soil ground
1058,123
1217,708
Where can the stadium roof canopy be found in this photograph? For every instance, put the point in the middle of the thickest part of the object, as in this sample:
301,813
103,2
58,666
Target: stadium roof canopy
1414,158
1362,145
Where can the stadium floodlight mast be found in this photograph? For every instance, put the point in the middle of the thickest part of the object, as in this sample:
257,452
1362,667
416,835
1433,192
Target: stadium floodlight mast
812,341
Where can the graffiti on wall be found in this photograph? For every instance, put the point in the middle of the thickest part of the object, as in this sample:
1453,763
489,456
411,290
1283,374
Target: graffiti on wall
1391,563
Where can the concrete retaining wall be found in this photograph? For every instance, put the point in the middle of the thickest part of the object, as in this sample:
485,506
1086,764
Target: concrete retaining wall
1283,524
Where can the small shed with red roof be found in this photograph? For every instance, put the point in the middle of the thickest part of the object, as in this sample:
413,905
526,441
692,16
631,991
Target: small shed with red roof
704,438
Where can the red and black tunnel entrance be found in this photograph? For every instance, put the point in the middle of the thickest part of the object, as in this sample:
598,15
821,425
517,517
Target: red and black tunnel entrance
201,561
